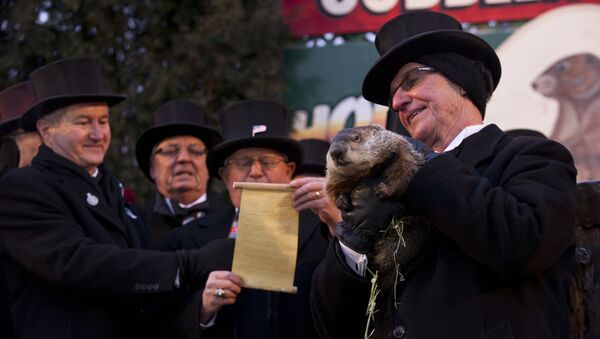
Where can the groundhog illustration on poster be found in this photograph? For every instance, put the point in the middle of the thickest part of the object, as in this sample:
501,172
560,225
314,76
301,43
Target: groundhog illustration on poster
574,82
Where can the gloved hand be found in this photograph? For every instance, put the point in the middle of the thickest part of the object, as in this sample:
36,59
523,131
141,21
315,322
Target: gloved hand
420,147
367,218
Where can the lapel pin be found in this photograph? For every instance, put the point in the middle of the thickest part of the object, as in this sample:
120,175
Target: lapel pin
91,199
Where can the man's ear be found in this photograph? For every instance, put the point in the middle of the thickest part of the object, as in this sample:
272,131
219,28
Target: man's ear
222,173
43,128
291,169
151,170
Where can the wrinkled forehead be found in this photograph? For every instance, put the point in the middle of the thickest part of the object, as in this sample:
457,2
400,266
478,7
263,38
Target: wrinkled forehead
87,109
180,140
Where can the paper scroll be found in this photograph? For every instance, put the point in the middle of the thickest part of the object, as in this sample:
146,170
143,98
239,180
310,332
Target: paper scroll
266,246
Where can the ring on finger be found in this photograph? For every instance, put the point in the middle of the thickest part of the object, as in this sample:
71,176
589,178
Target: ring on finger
219,292
318,194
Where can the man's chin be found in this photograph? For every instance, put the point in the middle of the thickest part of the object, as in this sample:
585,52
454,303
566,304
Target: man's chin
183,186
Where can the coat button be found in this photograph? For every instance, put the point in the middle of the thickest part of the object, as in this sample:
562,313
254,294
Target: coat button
399,331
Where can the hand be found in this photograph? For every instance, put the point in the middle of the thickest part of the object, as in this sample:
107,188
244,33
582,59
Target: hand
367,217
222,288
310,193
420,147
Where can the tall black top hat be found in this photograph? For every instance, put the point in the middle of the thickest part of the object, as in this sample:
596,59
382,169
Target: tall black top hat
254,123
66,82
14,102
315,156
415,34
171,119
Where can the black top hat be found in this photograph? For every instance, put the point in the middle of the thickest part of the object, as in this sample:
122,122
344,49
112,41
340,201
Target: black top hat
416,34
66,82
254,123
14,102
174,118
315,156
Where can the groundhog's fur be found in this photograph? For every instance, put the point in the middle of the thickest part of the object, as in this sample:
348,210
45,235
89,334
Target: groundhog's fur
373,152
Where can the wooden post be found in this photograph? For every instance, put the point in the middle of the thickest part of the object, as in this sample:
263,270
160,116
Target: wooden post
585,286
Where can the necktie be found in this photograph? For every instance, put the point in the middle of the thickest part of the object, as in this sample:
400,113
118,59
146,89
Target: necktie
188,214
183,215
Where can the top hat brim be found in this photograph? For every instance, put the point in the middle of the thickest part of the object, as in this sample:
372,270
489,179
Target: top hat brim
290,147
376,85
47,106
154,135
9,126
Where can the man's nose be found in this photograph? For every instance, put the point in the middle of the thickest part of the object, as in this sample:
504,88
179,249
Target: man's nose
97,132
400,100
184,155
256,169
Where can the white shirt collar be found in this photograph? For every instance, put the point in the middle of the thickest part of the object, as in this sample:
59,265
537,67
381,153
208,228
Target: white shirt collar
197,201
465,133
96,171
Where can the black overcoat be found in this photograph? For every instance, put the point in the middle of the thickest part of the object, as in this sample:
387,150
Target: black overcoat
262,314
213,225
75,268
504,209
5,319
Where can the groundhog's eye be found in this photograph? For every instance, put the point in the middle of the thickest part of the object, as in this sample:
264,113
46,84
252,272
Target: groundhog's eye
357,137
561,67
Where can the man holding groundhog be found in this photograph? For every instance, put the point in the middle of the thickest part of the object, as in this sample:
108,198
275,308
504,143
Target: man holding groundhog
503,208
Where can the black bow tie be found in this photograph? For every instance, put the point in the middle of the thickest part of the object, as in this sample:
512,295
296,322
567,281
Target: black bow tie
185,212
182,214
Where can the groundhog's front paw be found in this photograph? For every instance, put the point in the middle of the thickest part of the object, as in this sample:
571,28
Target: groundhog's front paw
382,190
342,201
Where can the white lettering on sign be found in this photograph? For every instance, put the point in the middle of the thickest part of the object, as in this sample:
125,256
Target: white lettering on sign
379,6
344,7
359,106
419,4
460,3
498,2
327,121
338,7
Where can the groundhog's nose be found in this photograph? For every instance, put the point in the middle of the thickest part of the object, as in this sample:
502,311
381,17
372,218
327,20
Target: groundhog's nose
337,153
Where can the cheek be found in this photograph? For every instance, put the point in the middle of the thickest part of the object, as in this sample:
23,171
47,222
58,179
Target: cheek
280,177
107,135
162,171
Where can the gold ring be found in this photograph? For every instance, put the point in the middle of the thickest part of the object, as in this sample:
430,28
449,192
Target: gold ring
219,292
318,194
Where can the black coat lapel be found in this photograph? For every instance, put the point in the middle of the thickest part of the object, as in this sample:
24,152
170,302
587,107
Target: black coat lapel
309,223
479,146
82,187
215,224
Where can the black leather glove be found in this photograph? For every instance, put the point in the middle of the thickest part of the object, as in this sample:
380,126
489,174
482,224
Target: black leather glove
425,150
367,218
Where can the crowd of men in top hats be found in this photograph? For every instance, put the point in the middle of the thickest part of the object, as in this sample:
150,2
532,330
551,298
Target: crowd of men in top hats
76,261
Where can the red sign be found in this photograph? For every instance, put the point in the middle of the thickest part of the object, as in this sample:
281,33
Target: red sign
315,17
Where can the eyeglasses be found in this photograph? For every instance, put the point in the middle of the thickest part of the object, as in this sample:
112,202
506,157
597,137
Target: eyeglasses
413,76
172,151
244,164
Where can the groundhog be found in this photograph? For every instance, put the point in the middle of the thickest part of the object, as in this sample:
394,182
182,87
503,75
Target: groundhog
372,152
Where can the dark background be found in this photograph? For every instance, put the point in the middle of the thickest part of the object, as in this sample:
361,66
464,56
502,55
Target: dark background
212,52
